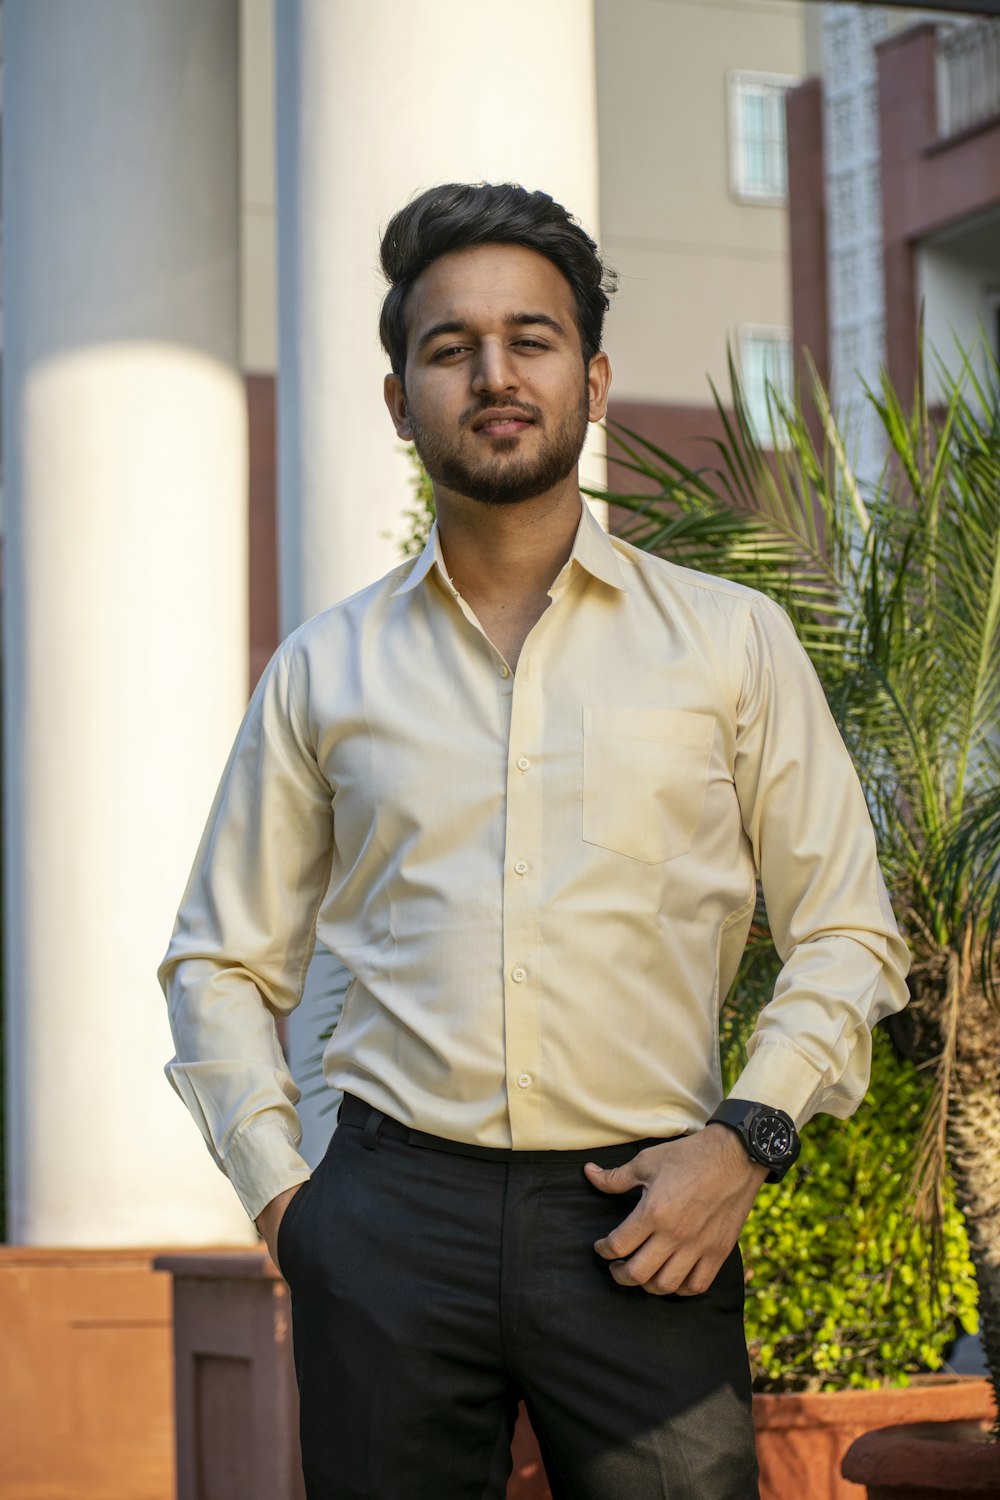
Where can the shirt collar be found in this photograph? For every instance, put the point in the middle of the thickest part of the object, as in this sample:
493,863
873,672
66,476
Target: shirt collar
593,551
431,557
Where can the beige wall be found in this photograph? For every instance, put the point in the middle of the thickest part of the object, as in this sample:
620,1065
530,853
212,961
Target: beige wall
694,263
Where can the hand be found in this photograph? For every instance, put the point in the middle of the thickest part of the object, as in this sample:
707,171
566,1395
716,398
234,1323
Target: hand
696,1195
269,1220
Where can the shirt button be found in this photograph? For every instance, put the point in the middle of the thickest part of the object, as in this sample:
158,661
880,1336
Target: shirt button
505,670
518,975
524,1080
523,762
520,868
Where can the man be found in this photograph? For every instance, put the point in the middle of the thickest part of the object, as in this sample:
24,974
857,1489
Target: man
523,787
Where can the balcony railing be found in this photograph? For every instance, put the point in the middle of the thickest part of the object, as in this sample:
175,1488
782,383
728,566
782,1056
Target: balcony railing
968,75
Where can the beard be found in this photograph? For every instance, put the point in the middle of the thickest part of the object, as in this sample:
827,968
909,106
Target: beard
501,479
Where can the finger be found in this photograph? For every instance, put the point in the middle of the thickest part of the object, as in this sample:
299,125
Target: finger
669,1277
625,1238
644,1264
623,1179
698,1280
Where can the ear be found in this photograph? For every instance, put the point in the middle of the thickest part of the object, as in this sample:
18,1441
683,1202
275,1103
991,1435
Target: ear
598,385
395,400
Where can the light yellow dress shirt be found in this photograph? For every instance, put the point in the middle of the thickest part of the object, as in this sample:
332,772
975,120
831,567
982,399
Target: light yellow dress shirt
542,881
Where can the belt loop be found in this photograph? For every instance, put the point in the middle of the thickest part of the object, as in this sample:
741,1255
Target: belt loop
373,1124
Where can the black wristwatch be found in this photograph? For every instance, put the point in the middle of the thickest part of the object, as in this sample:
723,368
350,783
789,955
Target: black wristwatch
768,1134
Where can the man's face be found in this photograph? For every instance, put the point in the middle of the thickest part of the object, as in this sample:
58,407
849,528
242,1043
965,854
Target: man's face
496,397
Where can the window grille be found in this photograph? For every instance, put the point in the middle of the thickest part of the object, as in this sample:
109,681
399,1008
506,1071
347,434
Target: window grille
767,375
758,147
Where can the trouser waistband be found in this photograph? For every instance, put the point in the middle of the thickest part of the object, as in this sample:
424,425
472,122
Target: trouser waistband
373,1123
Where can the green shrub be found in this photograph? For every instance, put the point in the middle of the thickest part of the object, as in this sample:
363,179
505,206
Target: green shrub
841,1288
419,517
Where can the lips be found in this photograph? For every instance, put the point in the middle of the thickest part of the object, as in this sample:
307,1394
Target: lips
502,422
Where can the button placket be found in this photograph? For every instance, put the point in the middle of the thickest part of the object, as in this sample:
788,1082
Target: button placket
523,980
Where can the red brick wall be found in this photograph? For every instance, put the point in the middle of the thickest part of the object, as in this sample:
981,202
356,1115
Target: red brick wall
926,184
807,228
685,432
263,490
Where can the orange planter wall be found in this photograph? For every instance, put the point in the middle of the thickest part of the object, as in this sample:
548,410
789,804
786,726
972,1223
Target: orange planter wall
86,1376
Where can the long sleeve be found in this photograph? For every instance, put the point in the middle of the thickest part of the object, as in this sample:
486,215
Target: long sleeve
540,881
243,940
844,963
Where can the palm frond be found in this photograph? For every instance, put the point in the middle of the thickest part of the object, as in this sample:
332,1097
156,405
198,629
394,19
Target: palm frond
893,585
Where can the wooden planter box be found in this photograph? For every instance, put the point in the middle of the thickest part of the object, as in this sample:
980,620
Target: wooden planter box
86,1378
235,1396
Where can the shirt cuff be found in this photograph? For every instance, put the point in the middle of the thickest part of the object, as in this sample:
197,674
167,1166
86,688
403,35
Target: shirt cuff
779,1075
261,1163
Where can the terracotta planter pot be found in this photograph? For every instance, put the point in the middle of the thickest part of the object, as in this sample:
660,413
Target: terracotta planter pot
527,1480
802,1439
926,1461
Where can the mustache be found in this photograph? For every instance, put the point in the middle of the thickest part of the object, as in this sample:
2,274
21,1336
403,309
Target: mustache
472,412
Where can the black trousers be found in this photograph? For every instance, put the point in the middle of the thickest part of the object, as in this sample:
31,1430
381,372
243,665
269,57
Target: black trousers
432,1290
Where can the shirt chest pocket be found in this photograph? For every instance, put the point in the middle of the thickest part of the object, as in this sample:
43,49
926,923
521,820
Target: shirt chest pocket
645,771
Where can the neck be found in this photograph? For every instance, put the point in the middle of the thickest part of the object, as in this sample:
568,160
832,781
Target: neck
508,553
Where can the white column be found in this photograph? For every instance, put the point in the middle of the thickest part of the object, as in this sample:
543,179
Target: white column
125,626
376,100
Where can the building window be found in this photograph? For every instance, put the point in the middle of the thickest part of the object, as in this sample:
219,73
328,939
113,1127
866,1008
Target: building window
766,371
758,153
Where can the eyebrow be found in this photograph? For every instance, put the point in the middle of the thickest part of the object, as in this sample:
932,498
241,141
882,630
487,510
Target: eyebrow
513,320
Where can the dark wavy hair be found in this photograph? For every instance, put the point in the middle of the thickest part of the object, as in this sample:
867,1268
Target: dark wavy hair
458,215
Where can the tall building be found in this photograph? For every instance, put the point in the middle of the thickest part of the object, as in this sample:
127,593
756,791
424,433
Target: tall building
694,204
895,202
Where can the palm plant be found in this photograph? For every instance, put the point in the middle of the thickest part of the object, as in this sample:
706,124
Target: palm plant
893,586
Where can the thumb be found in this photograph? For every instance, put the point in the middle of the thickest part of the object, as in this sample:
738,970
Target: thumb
623,1179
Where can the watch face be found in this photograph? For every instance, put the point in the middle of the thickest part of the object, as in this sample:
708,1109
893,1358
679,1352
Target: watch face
771,1137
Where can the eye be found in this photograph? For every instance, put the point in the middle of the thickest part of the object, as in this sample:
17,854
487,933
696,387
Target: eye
530,343
449,351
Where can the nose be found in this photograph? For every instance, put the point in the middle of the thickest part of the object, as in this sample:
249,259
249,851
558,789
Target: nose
494,370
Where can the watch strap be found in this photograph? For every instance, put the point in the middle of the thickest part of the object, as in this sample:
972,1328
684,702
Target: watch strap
740,1115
